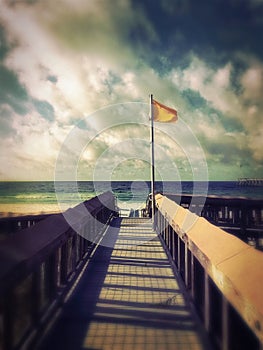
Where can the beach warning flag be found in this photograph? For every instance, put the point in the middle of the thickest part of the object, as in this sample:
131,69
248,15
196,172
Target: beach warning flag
163,114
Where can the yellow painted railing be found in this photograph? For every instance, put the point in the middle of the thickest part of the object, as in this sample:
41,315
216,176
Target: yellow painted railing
223,275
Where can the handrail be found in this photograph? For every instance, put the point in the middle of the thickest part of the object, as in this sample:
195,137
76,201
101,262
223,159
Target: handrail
223,274
242,217
12,224
39,265
245,212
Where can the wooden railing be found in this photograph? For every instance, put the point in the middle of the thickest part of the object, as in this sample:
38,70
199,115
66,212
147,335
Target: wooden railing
39,265
240,216
12,224
222,274
245,181
243,212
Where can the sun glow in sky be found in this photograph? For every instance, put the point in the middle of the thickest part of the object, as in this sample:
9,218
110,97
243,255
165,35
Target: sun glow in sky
61,61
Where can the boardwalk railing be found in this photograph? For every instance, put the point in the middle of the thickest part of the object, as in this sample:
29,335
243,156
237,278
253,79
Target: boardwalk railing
223,275
241,216
237,212
250,182
40,264
12,224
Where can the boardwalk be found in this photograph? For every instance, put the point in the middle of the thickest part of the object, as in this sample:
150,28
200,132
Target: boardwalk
128,298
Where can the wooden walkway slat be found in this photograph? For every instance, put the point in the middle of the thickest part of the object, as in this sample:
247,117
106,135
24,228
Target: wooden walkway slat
128,298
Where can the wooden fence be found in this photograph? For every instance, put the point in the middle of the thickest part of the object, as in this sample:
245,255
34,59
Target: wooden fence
39,265
222,274
240,216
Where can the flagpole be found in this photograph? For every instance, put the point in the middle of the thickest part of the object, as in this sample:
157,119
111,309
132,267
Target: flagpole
152,158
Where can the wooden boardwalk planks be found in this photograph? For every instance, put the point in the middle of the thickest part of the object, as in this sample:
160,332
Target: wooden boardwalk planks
127,298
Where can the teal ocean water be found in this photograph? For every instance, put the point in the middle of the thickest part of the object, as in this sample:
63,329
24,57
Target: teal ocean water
35,197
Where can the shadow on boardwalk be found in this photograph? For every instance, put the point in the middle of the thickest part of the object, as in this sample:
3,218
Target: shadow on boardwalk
128,298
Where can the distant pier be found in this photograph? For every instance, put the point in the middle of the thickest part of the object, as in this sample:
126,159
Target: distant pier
250,182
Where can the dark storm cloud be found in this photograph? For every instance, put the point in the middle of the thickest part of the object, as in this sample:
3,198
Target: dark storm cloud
12,92
212,29
194,99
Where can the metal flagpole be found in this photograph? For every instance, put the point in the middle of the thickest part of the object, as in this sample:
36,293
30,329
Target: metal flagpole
152,158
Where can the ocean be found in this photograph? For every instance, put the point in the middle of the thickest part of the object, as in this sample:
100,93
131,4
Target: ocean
18,198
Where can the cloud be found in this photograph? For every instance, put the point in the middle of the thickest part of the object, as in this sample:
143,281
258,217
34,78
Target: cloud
211,84
214,86
75,57
37,57
252,82
4,46
12,92
29,148
5,121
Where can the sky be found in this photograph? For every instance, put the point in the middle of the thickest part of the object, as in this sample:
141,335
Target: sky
75,79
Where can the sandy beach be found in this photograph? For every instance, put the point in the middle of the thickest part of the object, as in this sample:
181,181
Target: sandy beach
19,209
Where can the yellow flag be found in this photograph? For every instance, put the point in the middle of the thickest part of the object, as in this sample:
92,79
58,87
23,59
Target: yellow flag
163,114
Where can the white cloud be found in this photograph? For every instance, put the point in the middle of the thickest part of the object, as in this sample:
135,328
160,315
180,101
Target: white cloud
214,86
83,73
38,56
252,82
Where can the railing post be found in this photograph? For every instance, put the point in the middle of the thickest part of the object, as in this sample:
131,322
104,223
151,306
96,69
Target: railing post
225,324
186,271
174,236
170,235
36,285
178,254
74,251
192,276
64,263
53,279
207,302
188,267
8,320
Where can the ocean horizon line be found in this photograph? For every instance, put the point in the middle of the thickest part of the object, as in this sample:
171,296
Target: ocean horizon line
15,181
